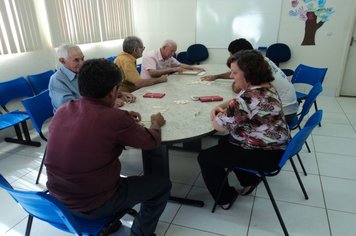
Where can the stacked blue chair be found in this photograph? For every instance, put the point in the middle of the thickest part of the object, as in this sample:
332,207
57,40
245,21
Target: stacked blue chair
197,53
308,75
296,124
39,82
182,58
48,209
293,148
10,91
279,52
40,109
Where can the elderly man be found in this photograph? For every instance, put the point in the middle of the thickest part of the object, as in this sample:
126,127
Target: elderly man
86,137
63,85
126,61
161,62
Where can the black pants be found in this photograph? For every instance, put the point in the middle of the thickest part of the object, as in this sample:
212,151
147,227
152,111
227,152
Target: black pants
213,162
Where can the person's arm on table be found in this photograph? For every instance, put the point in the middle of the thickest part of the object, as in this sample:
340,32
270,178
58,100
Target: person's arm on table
215,77
148,82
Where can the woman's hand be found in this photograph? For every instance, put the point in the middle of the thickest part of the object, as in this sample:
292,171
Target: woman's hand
216,110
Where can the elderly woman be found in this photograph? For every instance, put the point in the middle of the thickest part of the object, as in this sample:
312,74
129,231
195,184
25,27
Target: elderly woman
258,131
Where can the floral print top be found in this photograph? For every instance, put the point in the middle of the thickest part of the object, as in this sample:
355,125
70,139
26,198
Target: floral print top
255,120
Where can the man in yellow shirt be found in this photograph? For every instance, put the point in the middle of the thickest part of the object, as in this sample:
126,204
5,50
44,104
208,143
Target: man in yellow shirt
126,61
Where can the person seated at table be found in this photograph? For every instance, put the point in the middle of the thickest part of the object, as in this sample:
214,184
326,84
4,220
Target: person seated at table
86,138
258,132
285,89
63,84
126,61
161,62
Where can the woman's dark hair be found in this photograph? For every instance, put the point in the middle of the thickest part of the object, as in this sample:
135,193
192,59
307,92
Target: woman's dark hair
97,77
256,69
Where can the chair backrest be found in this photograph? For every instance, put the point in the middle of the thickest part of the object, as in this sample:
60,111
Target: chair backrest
139,67
47,208
197,53
182,58
297,142
14,89
278,52
111,58
39,82
39,108
309,101
308,75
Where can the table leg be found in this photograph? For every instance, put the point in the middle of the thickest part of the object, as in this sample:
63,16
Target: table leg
157,162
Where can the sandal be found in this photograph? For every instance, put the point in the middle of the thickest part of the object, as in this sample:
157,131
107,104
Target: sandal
229,205
249,189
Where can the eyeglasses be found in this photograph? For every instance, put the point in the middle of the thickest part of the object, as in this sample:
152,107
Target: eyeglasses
143,48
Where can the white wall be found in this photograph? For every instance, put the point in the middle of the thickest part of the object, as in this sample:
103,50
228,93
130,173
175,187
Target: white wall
157,20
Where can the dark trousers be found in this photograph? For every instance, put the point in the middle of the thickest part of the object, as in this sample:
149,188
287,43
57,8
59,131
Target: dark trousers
151,191
214,160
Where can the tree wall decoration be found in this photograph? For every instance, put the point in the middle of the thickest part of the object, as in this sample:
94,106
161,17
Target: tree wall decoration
314,14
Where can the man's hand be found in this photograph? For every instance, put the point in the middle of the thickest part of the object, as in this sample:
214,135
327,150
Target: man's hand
208,78
135,115
118,103
157,120
128,97
163,78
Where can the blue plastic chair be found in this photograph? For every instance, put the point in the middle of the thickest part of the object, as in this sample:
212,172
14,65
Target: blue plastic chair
39,82
139,67
40,109
279,52
293,148
47,208
182,58
9,91
308,75
197,53
111,58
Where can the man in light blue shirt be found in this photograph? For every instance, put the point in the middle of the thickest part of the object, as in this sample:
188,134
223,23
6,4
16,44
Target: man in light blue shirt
63,85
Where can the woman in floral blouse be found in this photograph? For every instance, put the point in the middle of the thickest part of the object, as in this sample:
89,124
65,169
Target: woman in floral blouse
258,131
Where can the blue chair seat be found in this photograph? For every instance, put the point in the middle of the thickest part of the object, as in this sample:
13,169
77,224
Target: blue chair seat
47,208
10,119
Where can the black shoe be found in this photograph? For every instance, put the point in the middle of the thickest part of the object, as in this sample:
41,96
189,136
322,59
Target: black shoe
112,227
252,187
227,207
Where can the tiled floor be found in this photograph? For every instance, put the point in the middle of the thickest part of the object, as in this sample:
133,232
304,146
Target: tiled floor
331,185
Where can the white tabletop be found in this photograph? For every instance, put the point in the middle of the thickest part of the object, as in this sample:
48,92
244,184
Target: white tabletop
185,118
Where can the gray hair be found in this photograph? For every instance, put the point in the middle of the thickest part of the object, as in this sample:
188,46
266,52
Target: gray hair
131,43
62,51
168,43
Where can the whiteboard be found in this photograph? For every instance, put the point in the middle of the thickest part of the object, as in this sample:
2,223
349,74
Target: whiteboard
221,21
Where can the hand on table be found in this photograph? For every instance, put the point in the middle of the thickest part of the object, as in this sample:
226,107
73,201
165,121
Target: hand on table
157,120
135,115
208,78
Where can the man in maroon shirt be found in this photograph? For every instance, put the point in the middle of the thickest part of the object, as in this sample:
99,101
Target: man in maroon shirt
86,137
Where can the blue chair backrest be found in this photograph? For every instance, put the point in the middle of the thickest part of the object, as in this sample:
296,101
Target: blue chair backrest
39,108
39,82
111,58
278,52
14,89
182,58
309,101
47,208
297,142
308,75
197,53
139,67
